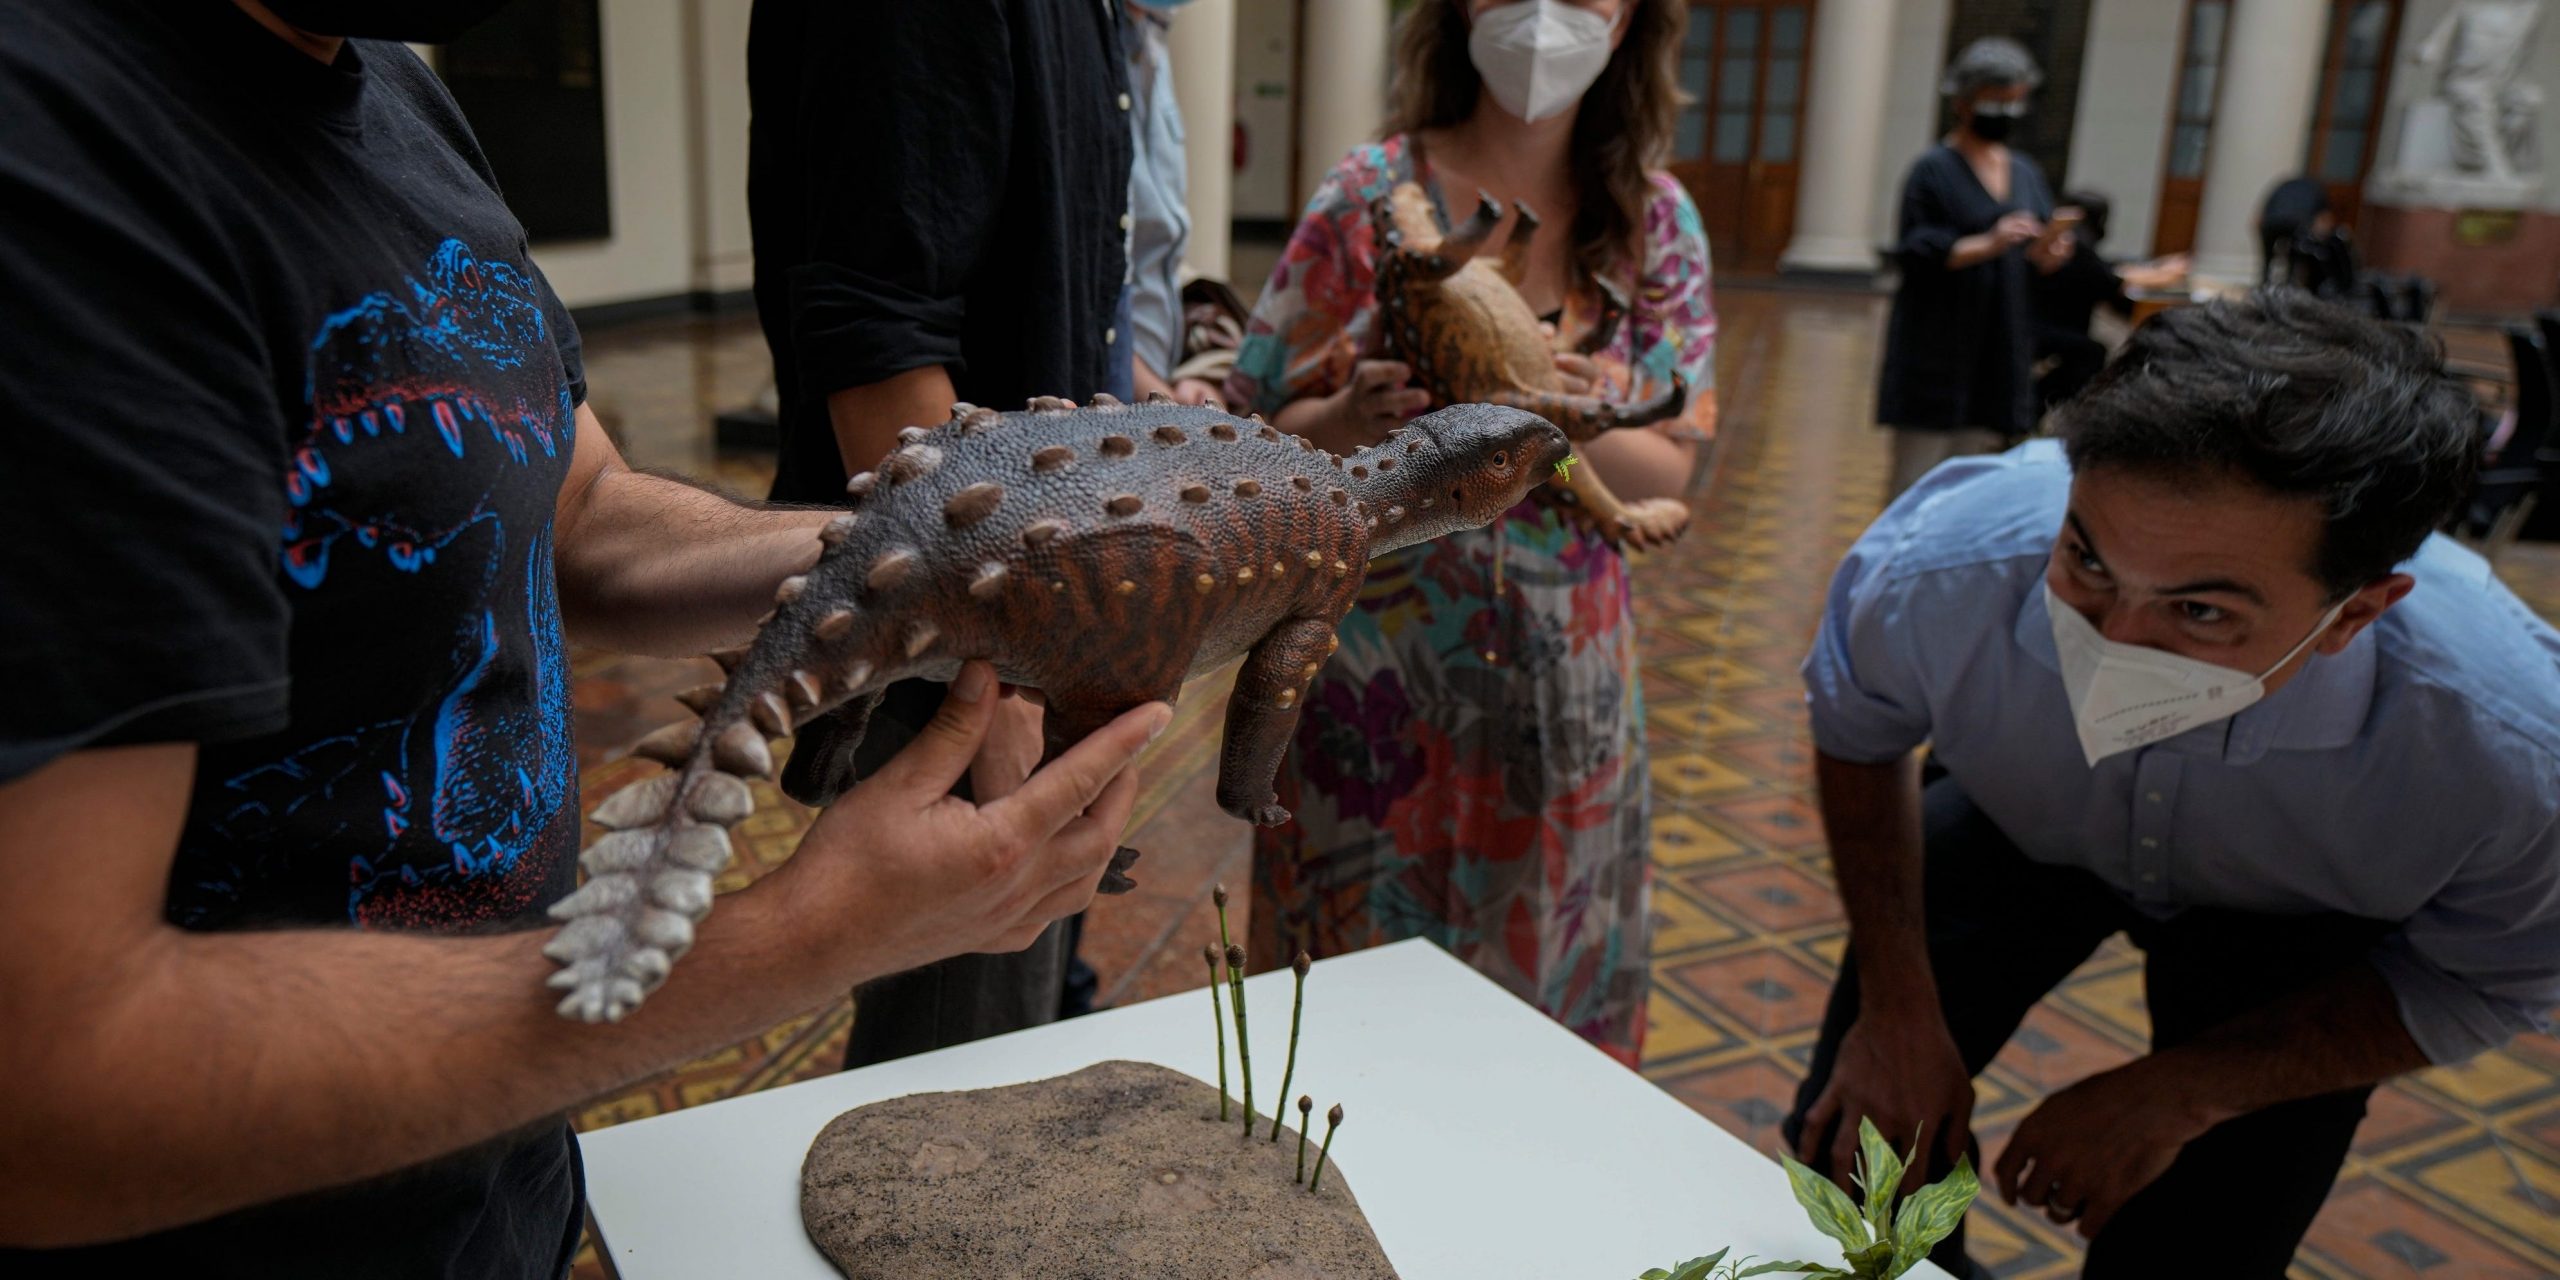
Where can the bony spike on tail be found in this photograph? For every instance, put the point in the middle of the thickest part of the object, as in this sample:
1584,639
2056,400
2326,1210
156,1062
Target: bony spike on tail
649,878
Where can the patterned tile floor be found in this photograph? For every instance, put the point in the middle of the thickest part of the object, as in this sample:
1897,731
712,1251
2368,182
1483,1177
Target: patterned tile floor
2455,1175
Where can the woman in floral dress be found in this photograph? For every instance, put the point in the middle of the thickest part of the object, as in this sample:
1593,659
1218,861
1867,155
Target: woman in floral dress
1470,767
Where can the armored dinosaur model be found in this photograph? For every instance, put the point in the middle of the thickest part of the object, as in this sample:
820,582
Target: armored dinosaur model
1102,555
1458,319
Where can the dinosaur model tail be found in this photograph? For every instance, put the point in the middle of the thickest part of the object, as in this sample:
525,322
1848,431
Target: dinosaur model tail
649,878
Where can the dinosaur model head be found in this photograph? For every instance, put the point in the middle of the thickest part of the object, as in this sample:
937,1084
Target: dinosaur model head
1459,468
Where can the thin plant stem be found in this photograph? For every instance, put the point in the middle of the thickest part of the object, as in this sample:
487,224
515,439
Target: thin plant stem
1244,1047
1306,1121
1218,1015
1297,1007
1333,1121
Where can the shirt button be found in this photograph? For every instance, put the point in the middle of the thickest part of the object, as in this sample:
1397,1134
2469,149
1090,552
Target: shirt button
2153,797
2150,842
2151,877
1110,336
1124,102
1126,221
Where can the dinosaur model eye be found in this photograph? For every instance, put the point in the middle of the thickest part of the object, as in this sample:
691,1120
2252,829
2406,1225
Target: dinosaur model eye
1501,459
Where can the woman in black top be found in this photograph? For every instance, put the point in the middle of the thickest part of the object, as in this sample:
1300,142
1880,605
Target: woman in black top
1961,342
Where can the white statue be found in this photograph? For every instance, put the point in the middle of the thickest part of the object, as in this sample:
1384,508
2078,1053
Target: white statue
2482,46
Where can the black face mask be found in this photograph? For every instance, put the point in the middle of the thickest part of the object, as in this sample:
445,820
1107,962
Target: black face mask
1991,128
417,21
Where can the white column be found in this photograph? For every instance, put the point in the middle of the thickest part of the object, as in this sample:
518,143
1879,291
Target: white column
1843,128
1202,46
1342,98
2261,125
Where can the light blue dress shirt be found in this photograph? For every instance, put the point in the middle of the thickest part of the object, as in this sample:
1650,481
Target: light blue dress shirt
2413,777
1159,210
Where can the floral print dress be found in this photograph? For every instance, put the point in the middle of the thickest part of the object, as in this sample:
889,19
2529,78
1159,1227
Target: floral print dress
1470,767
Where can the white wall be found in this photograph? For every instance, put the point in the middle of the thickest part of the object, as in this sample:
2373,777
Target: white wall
1266,108
2410,82
646,164
2127,78
1920,55
723,256
675,125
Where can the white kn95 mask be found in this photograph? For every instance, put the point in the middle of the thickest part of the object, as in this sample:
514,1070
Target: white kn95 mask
1538,56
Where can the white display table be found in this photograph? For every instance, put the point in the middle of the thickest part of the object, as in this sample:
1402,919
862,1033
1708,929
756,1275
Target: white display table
1484,1141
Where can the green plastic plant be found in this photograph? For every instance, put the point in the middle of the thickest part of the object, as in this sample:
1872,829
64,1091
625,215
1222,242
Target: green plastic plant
1877,1240
1714,1267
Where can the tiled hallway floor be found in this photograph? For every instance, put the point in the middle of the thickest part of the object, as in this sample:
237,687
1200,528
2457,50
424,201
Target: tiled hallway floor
2456,1173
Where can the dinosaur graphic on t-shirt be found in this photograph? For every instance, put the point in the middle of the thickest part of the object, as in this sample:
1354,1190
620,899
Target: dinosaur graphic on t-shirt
420,495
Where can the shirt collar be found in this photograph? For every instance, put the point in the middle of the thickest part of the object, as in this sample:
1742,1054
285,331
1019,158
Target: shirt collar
2322,708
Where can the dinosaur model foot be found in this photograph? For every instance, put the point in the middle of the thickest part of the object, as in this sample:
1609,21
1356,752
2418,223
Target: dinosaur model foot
1267,813
1115,878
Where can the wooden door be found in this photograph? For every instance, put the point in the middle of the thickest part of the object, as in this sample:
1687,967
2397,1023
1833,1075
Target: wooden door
1744,64
2355,80
2190,126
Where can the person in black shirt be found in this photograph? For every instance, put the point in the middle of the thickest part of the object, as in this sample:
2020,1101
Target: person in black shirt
1960,345
939,197
2067,298
302,506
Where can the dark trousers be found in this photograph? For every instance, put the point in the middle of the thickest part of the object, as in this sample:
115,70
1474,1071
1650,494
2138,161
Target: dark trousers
966,997
2004,930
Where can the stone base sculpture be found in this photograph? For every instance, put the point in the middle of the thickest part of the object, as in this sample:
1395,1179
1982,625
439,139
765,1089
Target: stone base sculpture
1121,1171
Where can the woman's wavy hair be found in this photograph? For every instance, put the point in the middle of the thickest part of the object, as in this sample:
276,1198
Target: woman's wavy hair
1622,132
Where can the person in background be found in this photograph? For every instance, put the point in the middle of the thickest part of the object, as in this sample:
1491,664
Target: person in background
2301,242
305,509
939,200
1959,350
1160,219
2067,298
2201,673
1470,767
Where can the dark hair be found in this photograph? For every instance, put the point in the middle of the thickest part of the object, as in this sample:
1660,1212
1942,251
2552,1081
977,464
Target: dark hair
2094,207
1621,133
2299,398
1992,62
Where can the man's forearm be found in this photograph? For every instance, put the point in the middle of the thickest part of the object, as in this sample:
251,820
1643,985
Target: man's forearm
1871,813
2343,1032
868,418
218,1071
654,565
646,564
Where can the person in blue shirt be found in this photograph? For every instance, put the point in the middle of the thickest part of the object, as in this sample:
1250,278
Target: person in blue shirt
2202,673
1159,220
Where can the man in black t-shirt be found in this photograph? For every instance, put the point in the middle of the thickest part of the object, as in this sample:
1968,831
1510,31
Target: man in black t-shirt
301,505
940,201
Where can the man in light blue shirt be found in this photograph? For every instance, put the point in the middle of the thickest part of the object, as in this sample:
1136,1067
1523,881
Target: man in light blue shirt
2355,875
1159,221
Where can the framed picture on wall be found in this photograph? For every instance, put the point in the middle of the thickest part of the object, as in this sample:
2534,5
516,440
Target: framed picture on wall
531,80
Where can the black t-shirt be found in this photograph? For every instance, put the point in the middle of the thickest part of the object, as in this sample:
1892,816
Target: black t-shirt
286,410
934,183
